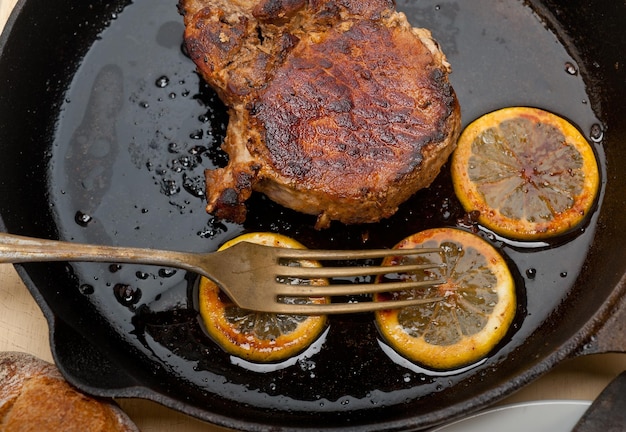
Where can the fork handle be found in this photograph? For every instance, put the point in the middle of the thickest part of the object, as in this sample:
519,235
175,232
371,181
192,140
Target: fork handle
20,249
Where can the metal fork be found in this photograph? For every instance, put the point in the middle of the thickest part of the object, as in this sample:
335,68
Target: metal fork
255,277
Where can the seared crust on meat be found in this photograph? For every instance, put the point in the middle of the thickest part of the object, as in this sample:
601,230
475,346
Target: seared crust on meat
337,108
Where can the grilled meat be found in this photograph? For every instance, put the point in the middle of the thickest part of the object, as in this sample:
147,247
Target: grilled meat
337,108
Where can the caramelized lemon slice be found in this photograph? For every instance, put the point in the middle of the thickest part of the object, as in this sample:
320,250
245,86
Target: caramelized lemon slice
529,173
469,313
258,336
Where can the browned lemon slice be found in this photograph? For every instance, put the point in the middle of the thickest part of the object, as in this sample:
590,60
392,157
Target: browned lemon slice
469,313
529,173
258,336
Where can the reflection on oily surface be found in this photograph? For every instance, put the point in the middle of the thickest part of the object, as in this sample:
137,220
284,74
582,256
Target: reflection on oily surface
94,145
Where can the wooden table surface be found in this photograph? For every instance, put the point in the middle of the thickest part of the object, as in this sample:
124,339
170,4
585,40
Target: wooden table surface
23,328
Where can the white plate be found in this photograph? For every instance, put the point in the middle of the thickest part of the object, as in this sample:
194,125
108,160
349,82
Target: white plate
549,416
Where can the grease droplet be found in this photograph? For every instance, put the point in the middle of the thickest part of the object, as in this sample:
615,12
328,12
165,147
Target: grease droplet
166,273
126,294
82,219
86,289
571,69
162,82
596,133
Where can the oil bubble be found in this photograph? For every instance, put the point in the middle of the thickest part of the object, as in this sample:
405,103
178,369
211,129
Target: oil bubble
169,187
142,275
571,69
596,134
194,185
197,134
126,295
167,273
82,219
197,150
162,82
86,289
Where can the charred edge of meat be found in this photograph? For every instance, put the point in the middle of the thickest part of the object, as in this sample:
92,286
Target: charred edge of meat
337,108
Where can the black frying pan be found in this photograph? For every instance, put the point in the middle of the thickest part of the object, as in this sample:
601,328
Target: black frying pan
104,132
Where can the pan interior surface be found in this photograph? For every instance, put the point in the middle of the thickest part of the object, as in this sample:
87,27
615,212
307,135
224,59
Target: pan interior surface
111,149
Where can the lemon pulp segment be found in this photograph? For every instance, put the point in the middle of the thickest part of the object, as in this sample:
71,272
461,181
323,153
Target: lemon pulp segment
258,336
469,313
529,173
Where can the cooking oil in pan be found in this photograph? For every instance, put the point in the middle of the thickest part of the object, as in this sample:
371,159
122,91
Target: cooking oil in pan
139,127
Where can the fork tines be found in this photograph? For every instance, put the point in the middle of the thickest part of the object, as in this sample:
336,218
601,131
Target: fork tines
336,255
350,271
352,307
287,256
393,283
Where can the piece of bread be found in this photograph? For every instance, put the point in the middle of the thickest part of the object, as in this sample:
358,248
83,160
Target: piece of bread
35,397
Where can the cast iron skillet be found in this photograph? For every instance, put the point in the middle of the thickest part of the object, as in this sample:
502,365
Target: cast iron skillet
104,132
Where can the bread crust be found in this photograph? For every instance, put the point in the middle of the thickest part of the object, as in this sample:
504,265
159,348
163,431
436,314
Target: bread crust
35,397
